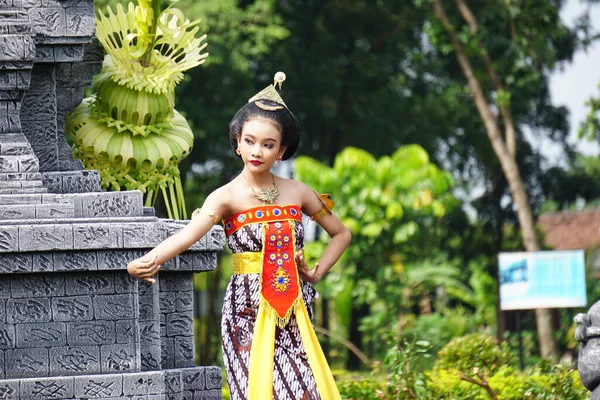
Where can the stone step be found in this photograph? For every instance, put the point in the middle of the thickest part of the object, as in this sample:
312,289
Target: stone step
21,184
64,234
18,163
15,148
14,14
86,205
24,176
9,199
38,211
24,190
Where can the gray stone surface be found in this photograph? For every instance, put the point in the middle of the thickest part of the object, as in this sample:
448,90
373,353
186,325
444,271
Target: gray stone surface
119,358
9,389
75,261
83,360
48,388
91,332
103,386
7,337
28,310
73,323
48,334
24,363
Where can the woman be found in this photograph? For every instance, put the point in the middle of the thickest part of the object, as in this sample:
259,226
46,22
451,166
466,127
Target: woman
270,349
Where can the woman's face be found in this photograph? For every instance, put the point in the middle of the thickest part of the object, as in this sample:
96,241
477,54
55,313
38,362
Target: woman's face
260,144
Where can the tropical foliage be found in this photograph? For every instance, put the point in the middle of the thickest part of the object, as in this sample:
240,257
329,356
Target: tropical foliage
472,367
128,130
389,204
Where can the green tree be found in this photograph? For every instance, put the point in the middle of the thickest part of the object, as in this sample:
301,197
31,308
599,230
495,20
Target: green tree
521,40
387,203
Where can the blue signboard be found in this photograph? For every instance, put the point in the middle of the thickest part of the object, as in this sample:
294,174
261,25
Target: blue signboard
542,279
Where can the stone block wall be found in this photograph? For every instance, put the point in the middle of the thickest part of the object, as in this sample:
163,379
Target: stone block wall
73,323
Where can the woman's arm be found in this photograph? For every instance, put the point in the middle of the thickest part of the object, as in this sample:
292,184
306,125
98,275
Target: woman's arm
148,265
340,239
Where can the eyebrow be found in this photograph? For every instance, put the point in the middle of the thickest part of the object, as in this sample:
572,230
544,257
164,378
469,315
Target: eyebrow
253,137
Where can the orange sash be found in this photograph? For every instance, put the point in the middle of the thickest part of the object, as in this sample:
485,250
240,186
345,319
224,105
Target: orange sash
280,282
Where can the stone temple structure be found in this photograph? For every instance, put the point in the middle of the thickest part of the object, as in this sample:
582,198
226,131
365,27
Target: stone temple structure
73,323
587,334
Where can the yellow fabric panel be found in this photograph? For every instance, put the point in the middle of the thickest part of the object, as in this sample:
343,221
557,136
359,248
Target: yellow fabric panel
247,263
318,363
262,355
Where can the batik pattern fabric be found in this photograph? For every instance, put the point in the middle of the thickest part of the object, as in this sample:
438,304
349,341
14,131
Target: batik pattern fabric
292,375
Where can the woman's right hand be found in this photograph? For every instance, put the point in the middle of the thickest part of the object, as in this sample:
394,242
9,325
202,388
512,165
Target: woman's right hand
144,268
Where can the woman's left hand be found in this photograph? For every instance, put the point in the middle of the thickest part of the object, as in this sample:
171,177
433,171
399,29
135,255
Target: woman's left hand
306,274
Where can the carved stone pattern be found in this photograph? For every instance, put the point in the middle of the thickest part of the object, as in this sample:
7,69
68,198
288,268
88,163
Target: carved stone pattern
46,237
214,379
7,391
92,234
146,307
7,337
43,335
184,301
51,390
127,331
124,283
179,325
149,333
15,262
26,363
28,310
44,285
121,205
38,107
114,307
194,379
167,303
47,156
149,362
114,259
217,239
98,389
48,21
170,282
167,353
8,238
97,332
74,309
92,284
75,261
76,360
4,287
43,262
120,360
2,311
185,349
173,383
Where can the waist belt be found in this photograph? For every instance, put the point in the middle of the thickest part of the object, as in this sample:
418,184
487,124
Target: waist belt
249,262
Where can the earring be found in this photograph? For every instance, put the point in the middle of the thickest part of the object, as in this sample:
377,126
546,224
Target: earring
279,159
238,151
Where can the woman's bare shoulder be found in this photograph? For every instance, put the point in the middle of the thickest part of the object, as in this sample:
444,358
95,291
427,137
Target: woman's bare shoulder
299,189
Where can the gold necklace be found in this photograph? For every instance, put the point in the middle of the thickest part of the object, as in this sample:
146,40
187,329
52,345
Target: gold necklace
268,195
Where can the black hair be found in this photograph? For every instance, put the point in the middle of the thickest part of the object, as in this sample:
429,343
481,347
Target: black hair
290,135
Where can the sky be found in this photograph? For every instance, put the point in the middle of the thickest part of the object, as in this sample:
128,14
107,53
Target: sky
578,81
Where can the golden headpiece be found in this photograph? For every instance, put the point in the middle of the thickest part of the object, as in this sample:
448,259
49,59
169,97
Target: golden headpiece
270,93
269,100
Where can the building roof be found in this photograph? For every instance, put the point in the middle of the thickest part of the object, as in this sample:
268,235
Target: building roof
571,230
